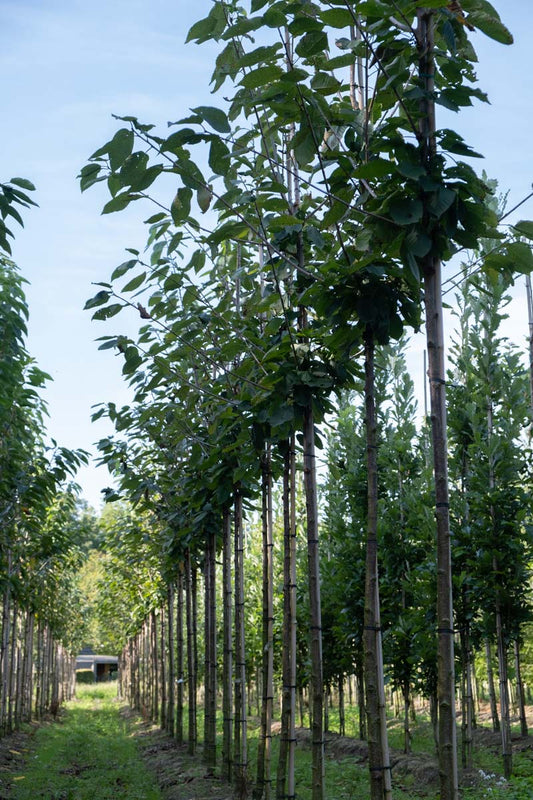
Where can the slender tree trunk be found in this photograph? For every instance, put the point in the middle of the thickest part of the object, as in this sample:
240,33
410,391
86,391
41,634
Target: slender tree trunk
211,655
286,697
342,715
467,705
378,748
492,689
12,669
155,667
360,688
227,664
520,690
286,759
316,683
179,657
191,653
435,345
507,750
171,700
406,693
241,722
163,672
263,784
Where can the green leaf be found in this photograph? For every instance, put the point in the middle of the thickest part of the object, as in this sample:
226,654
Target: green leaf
135,283
214,117
173,282
262,76
312,43
524,228
441,201
376,168
120,147
204,197
274,18
337,17
211,27
260,54
24,183
324,83
121,270
107,312
410,170
521,257
181,205
98,300
89,175
491,27
405,211
282,414
118,203
133,169
219,156
453,143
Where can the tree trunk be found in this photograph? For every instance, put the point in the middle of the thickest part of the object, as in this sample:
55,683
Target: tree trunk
467,705
435,345
360,684
316,683
342,716
406,709
227,663
211,654
163,673
520,690
240,731
179,657
378,748
263,782
507,750
4,671
171,699
492,689
286,697
191,653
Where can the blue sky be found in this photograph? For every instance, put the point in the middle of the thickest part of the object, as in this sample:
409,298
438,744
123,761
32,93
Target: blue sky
65,67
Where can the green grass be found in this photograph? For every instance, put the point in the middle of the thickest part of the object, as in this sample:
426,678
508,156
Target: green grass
90,753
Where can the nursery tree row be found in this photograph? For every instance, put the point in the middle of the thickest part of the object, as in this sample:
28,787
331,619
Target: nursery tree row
38,560
298,226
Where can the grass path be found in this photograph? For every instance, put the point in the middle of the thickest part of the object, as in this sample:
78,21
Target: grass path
89,753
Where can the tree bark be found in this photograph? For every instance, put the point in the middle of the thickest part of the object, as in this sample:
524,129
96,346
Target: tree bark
507,750
520,690
241,722
179,656
435,345
492,689
263,781
378,748
191,653
316,687
227,663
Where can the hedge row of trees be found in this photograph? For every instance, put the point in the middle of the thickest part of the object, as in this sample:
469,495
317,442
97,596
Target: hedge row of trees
37,509
332,201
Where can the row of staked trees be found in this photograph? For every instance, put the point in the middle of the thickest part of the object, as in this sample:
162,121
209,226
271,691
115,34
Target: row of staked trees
296,231
38,556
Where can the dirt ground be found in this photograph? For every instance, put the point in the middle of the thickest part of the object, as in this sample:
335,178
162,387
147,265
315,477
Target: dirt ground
14,750
184,777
